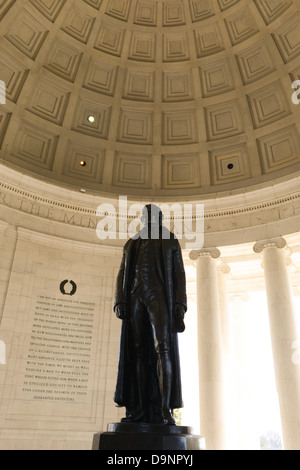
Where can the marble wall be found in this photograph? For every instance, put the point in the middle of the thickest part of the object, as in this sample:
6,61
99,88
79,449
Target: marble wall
58,379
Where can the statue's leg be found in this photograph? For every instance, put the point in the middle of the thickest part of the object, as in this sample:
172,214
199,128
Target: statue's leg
164,359
138,330
159,322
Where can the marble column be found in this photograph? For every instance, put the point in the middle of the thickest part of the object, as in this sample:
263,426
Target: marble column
283,336
211,379
223,271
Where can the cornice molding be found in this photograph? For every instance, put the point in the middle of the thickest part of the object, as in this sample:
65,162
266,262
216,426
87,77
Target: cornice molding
46,201
7,189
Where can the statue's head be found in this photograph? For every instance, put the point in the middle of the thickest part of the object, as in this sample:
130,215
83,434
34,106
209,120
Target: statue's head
151,215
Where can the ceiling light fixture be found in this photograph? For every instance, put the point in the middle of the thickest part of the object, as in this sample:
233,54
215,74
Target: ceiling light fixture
91,118
82,163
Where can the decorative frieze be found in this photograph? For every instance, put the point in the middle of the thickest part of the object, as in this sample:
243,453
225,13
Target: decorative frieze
135,171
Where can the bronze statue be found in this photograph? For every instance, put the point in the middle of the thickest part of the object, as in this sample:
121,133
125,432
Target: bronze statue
151,300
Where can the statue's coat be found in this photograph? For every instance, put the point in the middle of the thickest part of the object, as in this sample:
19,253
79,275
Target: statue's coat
168,250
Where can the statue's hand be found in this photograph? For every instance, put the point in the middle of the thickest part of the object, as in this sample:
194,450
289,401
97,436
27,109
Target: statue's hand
120,310
179,317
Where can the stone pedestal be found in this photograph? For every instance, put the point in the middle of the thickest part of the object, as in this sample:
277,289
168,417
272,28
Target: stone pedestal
140,436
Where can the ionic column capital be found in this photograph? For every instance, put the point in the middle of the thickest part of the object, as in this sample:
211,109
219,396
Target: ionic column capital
212,252
278,242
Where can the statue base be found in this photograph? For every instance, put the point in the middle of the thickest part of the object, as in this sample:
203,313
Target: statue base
142,436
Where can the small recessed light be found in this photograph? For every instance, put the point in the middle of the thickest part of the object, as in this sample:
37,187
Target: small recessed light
91,119
230,166
83,190
82,163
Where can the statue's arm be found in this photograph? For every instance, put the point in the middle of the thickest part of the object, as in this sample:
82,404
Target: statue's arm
120,299
179,280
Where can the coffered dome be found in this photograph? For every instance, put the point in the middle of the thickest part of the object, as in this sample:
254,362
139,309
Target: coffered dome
161,98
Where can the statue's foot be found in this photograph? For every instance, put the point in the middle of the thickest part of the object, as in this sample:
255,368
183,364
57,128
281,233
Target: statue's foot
138,417
167,417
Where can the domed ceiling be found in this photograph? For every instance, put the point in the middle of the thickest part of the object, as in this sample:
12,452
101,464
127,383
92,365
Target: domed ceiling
149,97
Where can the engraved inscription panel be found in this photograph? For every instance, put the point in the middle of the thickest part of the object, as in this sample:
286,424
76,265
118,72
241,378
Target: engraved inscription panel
58,360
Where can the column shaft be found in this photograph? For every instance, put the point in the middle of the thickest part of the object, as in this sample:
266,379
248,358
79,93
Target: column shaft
212,419
283,334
